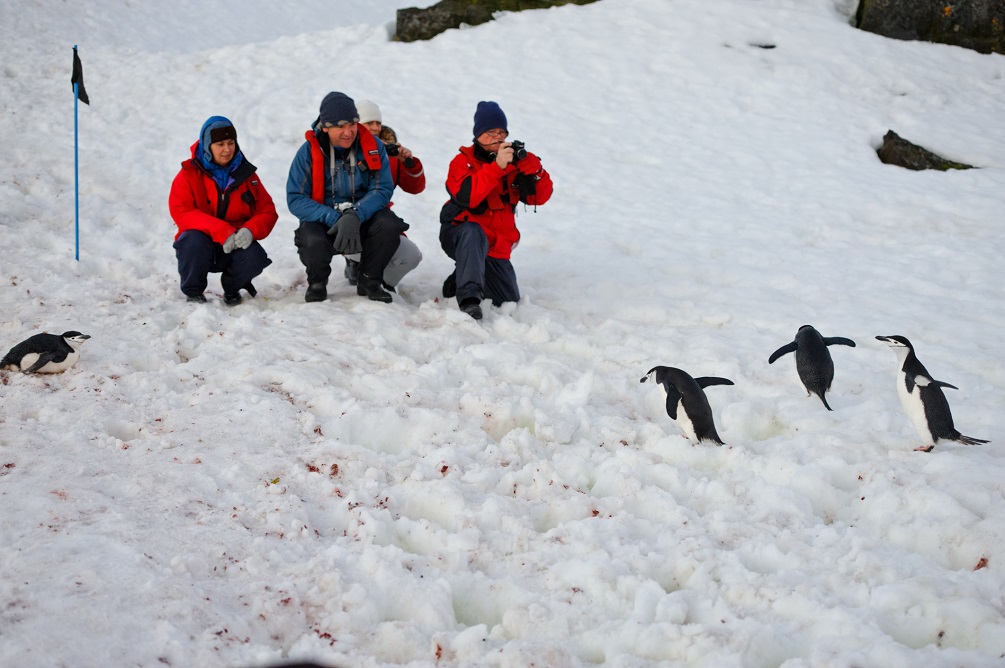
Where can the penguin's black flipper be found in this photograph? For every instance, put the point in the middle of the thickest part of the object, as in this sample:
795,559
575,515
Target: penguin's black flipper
838,341
910,381
673,400
706,381
784,350
43,359
939,383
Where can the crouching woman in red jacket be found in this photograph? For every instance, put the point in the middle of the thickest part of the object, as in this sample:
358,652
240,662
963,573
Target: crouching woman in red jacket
222,211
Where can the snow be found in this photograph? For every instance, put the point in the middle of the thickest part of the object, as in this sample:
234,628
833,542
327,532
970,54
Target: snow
362,484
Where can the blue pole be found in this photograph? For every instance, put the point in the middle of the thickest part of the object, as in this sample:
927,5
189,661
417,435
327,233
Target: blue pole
76,176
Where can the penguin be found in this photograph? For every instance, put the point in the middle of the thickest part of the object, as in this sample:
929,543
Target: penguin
923,399
685,392
813,360
45,353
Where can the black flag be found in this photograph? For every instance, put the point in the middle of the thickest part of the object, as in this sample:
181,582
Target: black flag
78,78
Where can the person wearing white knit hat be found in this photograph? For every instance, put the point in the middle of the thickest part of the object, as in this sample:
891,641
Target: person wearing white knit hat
368,112
406,173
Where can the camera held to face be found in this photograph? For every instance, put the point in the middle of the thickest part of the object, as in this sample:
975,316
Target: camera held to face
392,149
519,152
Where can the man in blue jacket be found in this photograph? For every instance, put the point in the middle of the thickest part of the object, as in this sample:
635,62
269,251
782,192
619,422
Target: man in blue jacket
339,187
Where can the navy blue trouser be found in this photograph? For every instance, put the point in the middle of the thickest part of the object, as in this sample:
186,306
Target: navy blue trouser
478,275
380,236
198,256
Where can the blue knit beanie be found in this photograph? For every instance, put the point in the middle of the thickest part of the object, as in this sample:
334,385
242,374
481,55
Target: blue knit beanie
337,109
488,116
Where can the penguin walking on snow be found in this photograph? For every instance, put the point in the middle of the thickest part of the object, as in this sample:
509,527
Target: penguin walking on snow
686,402
923,399
45,353
813,360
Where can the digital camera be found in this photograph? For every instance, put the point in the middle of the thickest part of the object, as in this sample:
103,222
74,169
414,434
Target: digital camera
519,152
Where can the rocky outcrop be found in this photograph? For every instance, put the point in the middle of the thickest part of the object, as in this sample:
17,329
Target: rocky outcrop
417,24
973,24
898,151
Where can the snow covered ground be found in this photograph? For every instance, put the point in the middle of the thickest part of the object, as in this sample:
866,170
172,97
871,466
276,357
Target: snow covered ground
362,484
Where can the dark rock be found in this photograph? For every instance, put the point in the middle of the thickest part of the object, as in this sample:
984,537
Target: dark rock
973,24
898,151
418,24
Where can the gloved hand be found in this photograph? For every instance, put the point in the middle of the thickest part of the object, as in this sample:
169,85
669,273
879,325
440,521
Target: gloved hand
230,243
346,232
529,165
243,238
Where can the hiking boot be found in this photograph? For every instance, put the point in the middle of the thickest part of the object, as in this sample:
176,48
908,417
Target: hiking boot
450,286
472,307
232,300
196,299
372,289
316,292
351,271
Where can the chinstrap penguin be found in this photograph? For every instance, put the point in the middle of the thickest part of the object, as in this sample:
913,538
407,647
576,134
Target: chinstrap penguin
813,360
686,402
45,353
923,399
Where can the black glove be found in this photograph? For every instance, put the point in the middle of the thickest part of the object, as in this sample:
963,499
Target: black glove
346,232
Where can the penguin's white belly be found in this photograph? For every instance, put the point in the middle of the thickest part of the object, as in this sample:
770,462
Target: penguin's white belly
685,424
50,367
915,409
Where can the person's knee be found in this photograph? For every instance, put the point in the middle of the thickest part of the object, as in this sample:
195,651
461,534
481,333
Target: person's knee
408,254
192,241
313,237
254,256
384,226
471,236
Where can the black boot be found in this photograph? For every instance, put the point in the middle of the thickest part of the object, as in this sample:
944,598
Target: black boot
450,286
472,306
316,292
373,289
351,271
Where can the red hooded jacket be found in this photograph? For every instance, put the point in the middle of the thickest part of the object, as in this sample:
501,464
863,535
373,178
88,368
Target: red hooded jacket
481,192
196,202
410,179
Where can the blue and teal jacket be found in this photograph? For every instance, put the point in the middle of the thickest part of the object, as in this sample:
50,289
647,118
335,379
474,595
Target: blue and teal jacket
360,175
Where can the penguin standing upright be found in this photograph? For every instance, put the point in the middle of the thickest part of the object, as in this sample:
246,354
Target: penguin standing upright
813,360
923,399
695,416
45,353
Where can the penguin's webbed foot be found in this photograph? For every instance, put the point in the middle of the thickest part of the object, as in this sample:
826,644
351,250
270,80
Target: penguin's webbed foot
925,448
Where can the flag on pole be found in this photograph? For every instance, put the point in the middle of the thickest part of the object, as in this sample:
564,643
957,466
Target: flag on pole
77,78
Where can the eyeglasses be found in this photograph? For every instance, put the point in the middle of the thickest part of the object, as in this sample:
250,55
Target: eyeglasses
497,134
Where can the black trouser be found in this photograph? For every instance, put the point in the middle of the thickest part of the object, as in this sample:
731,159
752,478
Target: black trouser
478,275
380,236
198,256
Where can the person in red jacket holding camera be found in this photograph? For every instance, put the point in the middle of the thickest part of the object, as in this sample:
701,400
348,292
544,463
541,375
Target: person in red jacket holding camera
478,229
408,174
222,211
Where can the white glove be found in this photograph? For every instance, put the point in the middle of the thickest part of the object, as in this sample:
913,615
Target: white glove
243,238
228,245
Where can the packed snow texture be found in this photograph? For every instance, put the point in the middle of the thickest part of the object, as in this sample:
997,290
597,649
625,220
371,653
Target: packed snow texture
362,484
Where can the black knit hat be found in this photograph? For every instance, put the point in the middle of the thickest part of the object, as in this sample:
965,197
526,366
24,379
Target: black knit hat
337,109
220,134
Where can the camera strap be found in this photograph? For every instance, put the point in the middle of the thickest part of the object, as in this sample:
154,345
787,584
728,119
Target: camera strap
352,171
